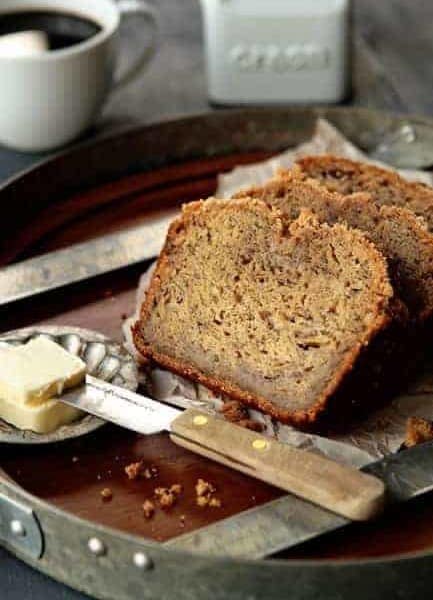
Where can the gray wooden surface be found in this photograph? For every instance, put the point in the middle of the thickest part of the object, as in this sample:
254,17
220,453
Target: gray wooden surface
393,70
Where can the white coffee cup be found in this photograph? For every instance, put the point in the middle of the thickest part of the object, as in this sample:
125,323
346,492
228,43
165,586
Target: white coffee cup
47,99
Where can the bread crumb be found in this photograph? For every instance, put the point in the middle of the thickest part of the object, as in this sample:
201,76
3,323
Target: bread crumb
251,424
167,497
203,488
148,509
237,413
205,494
418,431
150,472
176,489
133,470
202,501
234,411
215,502
106,494
138,469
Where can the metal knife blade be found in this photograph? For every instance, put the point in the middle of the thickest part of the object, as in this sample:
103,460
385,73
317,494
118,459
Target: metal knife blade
82,261
289,521
120,406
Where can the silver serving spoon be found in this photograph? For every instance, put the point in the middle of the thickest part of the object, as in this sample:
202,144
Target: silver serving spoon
405,148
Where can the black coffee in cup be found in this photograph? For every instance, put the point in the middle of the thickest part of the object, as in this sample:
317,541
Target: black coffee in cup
62,29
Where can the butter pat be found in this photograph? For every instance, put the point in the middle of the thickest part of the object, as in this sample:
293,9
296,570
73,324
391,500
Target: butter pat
37,371
30,375
41,418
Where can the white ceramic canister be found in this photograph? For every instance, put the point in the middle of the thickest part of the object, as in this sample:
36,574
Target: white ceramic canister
277,51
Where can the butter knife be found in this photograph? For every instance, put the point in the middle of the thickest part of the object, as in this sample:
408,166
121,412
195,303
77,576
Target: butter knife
338,488
82,261
288,521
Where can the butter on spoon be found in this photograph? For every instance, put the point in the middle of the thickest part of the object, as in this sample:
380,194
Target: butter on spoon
31,376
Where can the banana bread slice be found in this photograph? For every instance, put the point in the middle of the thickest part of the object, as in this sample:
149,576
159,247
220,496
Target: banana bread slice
386,187
274,315
396,231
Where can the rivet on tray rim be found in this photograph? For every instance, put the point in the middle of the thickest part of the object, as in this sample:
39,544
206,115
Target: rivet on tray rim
142,561
17,528
96,547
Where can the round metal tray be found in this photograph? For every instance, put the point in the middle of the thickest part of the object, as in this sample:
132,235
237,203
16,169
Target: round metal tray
106,563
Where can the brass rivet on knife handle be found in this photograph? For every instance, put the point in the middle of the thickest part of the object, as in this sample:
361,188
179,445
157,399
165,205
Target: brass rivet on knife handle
341,489
260,444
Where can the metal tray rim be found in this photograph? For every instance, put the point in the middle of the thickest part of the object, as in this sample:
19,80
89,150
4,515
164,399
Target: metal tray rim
222,114
394,569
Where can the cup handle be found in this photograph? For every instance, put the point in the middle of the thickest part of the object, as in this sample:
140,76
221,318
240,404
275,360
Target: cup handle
138,9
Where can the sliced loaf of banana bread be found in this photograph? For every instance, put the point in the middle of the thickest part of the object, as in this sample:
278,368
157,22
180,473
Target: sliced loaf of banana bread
386,187
274,314
396,231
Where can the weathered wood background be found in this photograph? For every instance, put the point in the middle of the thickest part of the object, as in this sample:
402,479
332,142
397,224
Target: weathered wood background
393,70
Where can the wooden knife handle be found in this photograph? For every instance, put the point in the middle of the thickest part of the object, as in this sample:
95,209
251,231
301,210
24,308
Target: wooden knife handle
341,489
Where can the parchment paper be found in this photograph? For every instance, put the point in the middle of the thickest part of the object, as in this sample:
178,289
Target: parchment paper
384,431
326,140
